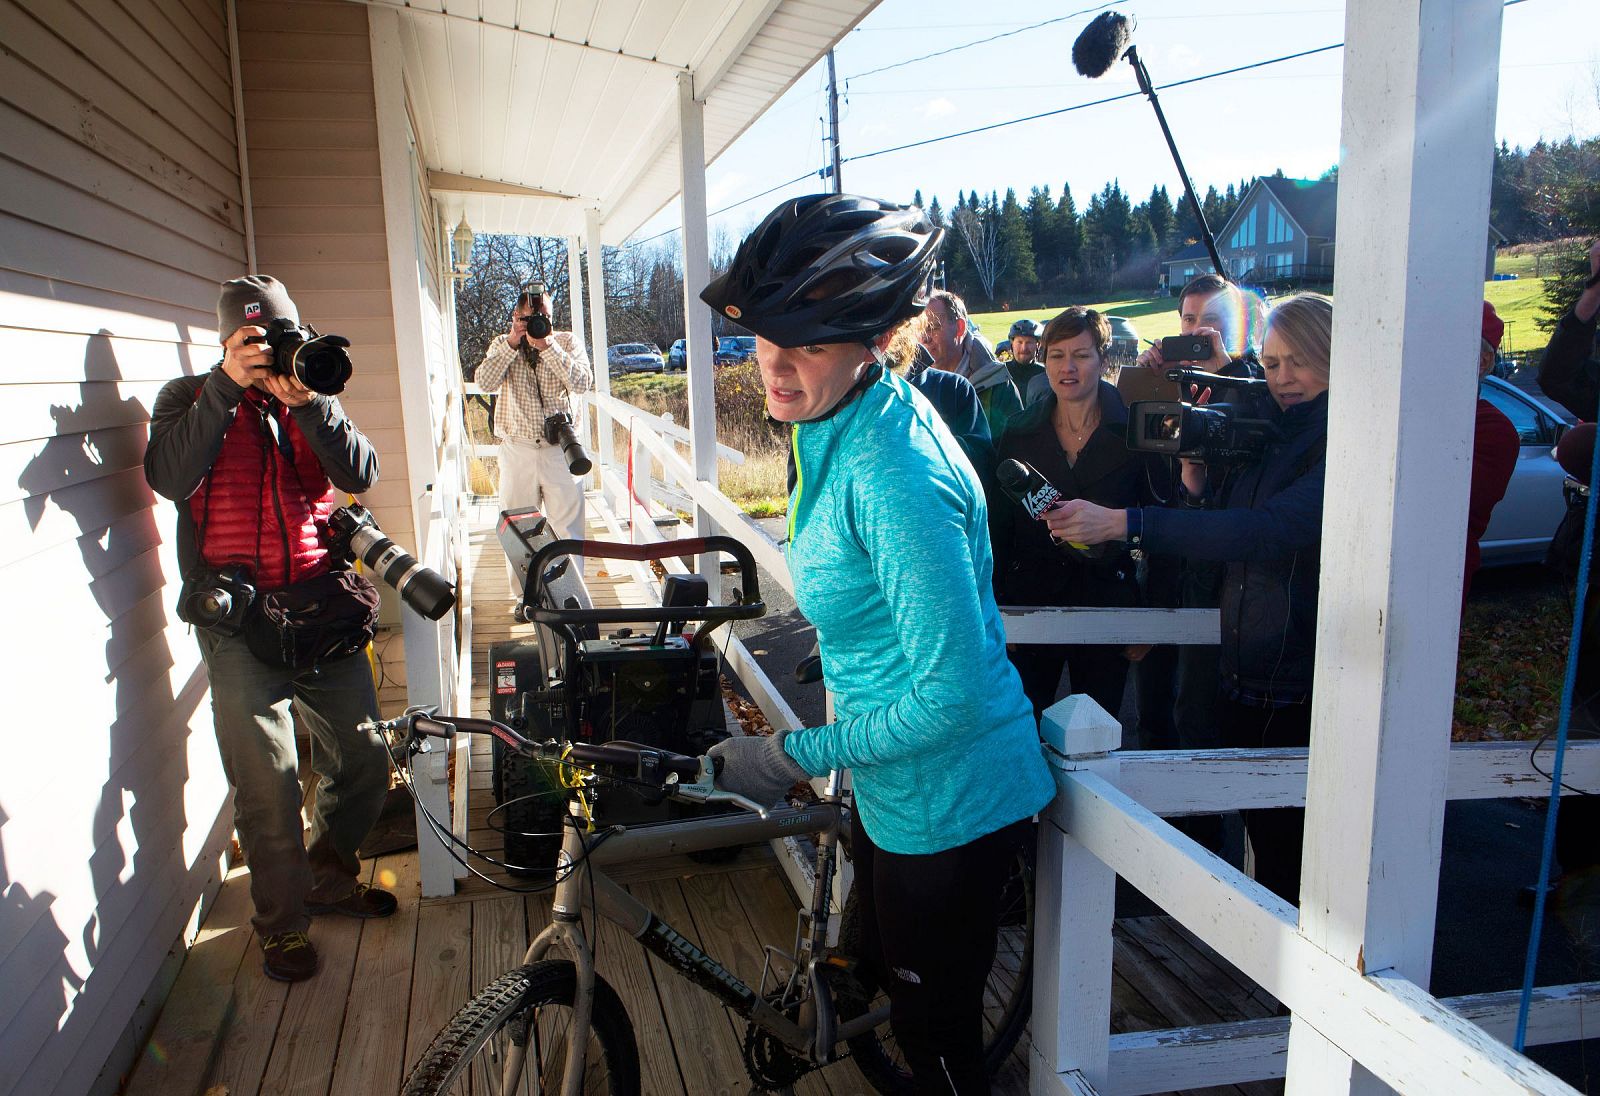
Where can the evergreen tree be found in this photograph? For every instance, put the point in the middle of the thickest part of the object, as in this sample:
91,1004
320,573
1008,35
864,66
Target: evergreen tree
1016,248
1159,216
1068,235
1040,215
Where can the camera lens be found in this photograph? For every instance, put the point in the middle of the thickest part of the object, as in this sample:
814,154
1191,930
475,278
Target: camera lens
208,608
1169,427
322,367
537,325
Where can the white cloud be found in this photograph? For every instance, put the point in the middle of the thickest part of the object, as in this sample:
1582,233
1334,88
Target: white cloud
938,108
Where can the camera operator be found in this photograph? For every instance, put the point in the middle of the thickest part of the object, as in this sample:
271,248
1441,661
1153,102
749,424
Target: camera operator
256,463
536,371
1177,685
1570,375
1263,519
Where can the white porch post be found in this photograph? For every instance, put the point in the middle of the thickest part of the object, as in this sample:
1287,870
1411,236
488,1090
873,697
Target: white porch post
696,316
575,289
1075,903
1418,130
597,322
427,643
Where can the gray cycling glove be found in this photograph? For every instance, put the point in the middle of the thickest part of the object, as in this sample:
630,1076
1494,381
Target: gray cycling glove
756,767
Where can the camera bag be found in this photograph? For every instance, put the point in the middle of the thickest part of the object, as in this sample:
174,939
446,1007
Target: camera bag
320,619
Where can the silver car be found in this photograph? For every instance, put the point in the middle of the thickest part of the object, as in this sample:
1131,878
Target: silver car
1524,521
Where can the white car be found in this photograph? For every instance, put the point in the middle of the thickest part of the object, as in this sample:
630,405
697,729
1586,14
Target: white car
1524,521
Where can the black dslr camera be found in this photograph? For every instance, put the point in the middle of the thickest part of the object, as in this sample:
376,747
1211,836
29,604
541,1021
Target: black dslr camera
317,361
1216,433
558,431
217,599
425,590
536,325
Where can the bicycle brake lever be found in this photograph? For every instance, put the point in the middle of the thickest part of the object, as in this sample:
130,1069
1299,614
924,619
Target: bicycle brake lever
705,790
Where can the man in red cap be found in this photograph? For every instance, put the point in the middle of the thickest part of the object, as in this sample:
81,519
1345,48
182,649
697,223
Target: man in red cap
1494,451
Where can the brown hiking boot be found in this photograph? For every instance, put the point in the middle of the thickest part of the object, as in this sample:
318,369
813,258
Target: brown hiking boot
288,956
364,901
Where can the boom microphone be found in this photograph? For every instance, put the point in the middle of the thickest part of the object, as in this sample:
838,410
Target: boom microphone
1101,44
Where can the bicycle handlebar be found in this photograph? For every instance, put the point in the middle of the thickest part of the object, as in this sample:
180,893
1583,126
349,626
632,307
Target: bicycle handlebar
682,776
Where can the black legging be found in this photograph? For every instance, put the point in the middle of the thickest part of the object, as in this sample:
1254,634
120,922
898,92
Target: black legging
1100,670
929,924
1276,834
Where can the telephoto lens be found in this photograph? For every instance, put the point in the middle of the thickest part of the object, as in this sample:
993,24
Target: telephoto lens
422,588
558,431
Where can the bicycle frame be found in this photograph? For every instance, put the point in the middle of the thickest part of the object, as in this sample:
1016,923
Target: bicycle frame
816,1032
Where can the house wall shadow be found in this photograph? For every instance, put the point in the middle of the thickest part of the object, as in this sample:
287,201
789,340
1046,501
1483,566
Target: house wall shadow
137,862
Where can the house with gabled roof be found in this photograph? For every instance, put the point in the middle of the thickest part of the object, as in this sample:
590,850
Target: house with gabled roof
1282,234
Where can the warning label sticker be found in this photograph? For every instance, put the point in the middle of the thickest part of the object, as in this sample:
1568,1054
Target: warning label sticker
505,678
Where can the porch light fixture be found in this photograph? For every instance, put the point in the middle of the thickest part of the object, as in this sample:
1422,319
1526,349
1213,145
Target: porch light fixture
461,249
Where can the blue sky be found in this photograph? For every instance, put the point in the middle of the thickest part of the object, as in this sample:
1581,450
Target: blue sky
1233,127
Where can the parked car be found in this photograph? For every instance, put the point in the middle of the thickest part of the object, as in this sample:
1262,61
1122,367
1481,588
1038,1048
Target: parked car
733,349
1124,339
1524,521
634,358
678,356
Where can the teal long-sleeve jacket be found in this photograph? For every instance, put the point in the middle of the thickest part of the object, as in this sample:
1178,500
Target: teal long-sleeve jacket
889,548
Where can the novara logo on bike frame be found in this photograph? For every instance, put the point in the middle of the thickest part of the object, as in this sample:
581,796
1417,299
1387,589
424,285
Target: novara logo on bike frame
695,964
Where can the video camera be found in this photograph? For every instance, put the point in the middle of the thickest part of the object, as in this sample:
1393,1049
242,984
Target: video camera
1213,433
317,361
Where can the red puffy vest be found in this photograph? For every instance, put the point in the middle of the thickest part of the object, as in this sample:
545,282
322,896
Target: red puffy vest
257,507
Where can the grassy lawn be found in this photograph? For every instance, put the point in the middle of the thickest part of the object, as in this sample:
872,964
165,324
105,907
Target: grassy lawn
1519,304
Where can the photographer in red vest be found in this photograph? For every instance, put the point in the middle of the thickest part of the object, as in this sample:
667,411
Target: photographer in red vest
257,462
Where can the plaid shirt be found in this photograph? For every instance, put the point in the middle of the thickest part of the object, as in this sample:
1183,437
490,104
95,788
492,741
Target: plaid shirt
530,392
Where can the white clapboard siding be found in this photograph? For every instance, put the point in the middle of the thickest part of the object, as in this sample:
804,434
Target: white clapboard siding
120,211
311,129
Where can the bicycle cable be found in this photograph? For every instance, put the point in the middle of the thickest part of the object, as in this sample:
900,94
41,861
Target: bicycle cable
451,842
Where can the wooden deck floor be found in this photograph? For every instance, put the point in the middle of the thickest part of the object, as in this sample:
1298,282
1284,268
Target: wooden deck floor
385,987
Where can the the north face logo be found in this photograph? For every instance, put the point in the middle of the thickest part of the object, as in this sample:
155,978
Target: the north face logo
252,310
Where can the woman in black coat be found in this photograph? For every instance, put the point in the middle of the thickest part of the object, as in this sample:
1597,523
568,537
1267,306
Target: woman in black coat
1074,437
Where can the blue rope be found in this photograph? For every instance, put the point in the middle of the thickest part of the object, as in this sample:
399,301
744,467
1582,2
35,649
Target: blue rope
1567,688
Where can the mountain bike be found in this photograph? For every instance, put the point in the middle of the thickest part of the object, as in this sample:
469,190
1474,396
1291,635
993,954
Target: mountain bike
553,1025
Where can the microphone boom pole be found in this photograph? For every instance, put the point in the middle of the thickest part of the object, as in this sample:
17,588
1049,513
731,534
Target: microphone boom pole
1143,76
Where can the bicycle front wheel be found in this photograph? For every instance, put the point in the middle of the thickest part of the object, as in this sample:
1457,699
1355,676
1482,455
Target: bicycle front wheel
512,1038
1007,996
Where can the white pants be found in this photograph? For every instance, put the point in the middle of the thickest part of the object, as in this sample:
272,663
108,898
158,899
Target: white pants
536,475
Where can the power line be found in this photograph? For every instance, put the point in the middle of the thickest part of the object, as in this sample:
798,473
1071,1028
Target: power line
724,209
979,42
1095,102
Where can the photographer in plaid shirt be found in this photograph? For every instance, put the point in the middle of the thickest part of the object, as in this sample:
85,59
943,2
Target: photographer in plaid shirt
536,371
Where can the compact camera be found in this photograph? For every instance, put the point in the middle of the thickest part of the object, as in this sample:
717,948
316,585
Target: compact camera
217,599
558,431
317,361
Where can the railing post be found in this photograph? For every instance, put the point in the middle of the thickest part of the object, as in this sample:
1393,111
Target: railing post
1074,903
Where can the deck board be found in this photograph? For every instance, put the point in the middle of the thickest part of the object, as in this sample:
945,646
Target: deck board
387,987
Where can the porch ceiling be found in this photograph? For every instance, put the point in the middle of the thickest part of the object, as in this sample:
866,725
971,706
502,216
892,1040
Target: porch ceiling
577,99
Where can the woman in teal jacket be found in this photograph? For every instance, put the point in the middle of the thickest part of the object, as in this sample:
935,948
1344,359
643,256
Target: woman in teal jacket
889,548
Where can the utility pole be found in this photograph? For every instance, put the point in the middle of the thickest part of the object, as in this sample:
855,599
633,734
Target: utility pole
833,123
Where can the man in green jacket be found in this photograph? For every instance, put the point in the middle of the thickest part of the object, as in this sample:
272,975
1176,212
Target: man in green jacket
955,347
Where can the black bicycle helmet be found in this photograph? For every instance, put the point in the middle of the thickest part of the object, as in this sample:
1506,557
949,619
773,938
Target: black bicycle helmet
873,260
1026,327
